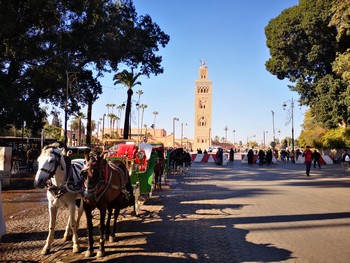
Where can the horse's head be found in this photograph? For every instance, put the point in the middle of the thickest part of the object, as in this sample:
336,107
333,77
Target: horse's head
92,170
48,162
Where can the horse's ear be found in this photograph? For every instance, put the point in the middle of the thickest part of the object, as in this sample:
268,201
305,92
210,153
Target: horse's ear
63,151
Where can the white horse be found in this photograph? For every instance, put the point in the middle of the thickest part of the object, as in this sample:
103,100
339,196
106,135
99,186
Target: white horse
62,181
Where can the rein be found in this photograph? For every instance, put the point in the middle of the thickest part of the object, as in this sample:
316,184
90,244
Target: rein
100,186
55,190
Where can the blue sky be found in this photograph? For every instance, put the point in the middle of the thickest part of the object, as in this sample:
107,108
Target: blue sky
229,36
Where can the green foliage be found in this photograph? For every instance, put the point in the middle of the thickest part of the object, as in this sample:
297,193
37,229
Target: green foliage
306,45
128,79
337,138
52,131
43,40
312,132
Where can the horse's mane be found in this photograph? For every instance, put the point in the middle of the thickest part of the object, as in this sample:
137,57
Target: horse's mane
54,145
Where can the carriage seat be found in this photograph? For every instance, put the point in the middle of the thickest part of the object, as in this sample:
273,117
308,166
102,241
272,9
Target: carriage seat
142,164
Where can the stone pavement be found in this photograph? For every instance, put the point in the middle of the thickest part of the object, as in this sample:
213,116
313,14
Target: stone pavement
233,213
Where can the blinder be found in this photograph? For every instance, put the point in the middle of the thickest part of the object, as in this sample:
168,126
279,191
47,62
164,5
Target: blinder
57,163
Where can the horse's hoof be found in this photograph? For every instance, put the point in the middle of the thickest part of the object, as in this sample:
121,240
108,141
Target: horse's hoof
88,254
100,254
45,251
76,249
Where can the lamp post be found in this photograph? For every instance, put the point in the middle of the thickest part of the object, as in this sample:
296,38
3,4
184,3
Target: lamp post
234,137
290,118
248,137
174,119
273,125
182,131
154,124
139,92
103,129
71,77
264,133
226,128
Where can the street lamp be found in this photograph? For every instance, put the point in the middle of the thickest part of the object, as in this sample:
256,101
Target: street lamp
174,119
154,124
225,133
273,125
264,133
290,118
139,92
71,78
182,131
249,138
103,129
234,137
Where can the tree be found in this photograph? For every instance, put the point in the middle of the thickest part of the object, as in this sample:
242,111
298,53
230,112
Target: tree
312,132
77,118
303,46
128,79
45,40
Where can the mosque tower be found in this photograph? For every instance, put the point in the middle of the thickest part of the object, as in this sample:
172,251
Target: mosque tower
202,109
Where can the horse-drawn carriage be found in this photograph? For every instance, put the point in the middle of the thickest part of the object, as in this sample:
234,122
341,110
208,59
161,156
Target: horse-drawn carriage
141,162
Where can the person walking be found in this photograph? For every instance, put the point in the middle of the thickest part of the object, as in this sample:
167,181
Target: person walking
261,155
232,155
307,154
269,157
316,156
250,156
345,161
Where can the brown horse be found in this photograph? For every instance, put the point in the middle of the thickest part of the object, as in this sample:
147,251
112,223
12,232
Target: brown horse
107,187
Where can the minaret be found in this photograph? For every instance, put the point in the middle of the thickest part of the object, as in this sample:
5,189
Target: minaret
202,109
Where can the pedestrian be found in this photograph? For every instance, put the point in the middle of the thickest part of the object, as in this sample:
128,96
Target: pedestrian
307,154
219,156
232,155
32,155
250,156
269,157
261,155
345,161
316,156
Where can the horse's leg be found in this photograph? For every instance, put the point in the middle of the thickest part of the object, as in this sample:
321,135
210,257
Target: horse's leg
108,222
88,213
73,226
160,180
112,236
101,250
80,212
68,231
156,175
50,237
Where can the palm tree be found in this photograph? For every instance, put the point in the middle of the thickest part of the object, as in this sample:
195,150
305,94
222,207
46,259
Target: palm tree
112,117
78,117
128,79
143,107
120,110
139,92
154,124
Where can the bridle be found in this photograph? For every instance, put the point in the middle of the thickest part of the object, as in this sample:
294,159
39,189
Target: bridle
51,173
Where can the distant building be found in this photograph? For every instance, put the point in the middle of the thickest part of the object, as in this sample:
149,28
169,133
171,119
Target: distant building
202,109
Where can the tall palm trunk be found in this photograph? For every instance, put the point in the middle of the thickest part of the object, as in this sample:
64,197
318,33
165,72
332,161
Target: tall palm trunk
88,126
127,115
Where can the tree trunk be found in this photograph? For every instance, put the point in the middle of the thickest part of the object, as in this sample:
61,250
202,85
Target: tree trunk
127,115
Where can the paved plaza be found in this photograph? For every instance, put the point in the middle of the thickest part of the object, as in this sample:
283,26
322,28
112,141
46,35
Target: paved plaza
233,213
